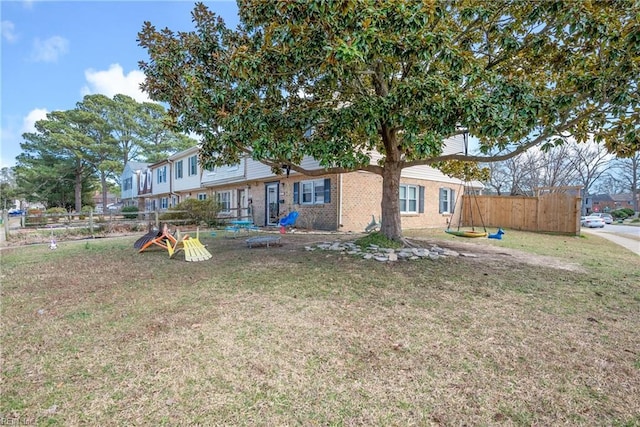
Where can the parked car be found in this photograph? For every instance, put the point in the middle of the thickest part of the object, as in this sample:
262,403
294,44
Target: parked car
607,218
15,212
592,221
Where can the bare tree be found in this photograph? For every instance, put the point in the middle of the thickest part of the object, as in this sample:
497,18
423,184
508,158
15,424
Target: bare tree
590,161
532,169
628,175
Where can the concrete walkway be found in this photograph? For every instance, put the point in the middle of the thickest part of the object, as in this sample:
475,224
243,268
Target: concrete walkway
628,243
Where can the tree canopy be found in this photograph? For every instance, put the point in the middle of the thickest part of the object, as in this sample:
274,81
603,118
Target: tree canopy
90,143
340,80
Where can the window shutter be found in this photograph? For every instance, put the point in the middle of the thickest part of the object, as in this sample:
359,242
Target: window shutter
420,199
327,190
453,201
441,200
296,193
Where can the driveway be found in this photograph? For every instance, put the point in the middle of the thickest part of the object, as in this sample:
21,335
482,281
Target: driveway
627,236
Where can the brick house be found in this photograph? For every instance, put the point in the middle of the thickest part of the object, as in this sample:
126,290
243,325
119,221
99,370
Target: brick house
336,202
611,202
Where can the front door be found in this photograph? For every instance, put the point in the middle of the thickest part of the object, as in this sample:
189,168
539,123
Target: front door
272,205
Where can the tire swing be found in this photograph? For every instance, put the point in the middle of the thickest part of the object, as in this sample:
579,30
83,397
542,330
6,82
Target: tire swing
472,232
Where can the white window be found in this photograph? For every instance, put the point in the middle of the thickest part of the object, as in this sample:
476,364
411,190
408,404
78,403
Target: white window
174,200
312,192
179,169
128,184
164,203
161,174
408,199
447,200
224,199
193,165
202,196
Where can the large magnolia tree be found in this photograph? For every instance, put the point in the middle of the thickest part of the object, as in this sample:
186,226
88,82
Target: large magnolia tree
340,80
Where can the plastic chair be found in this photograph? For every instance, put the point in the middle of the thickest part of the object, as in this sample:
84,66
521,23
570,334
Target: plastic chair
288,221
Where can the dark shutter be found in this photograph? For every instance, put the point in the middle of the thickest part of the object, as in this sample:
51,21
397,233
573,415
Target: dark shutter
441,201
420,199
327,190
453,201
296,193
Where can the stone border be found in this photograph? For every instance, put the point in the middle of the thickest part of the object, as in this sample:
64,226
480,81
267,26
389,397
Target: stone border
387,254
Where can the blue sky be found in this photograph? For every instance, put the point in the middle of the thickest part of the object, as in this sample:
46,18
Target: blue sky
55,52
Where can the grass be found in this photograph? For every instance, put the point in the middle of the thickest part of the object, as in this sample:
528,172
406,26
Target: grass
537,329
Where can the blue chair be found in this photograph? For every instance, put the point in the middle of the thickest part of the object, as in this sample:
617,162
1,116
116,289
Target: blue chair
288,221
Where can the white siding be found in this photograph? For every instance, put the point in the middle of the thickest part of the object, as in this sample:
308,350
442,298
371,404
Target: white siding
224,174
131,170
454,145
164,187
429,173
257,170
187,182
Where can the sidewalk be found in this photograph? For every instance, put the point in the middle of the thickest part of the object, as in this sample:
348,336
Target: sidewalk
630,244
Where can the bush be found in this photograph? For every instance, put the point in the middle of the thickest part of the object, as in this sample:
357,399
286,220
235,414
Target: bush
623,213
130,212
194,211
57,214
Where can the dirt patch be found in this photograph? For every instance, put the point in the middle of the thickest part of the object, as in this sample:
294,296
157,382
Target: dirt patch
485,253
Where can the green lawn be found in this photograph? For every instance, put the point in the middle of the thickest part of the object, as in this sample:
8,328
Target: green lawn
535,329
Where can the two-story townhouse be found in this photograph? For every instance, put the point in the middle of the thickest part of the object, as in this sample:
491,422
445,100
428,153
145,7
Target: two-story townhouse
342,202
185,176
228,185
129,184
160,198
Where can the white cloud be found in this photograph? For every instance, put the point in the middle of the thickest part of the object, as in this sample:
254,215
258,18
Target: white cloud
113,81
8,31
11,134
29,122
49,50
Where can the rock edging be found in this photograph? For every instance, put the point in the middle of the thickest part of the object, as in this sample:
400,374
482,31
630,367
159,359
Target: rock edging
387,254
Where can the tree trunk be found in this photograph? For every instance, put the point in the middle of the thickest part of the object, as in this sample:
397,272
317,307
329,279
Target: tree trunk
105,188
391,226
78,186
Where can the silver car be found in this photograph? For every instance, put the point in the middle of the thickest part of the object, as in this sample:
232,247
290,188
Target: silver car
607,218
592,221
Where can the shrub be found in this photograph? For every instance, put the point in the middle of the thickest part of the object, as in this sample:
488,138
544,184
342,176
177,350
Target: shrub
194,211
623,213
57,214
628,211
130,212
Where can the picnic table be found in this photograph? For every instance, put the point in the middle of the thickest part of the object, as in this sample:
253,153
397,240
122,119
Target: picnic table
241,224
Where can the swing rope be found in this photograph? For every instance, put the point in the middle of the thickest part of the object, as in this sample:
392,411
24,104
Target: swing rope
471,192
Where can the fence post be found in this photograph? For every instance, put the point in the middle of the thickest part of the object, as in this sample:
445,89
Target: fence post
155,214
91,222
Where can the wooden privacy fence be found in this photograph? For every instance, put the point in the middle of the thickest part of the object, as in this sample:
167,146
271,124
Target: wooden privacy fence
550,212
